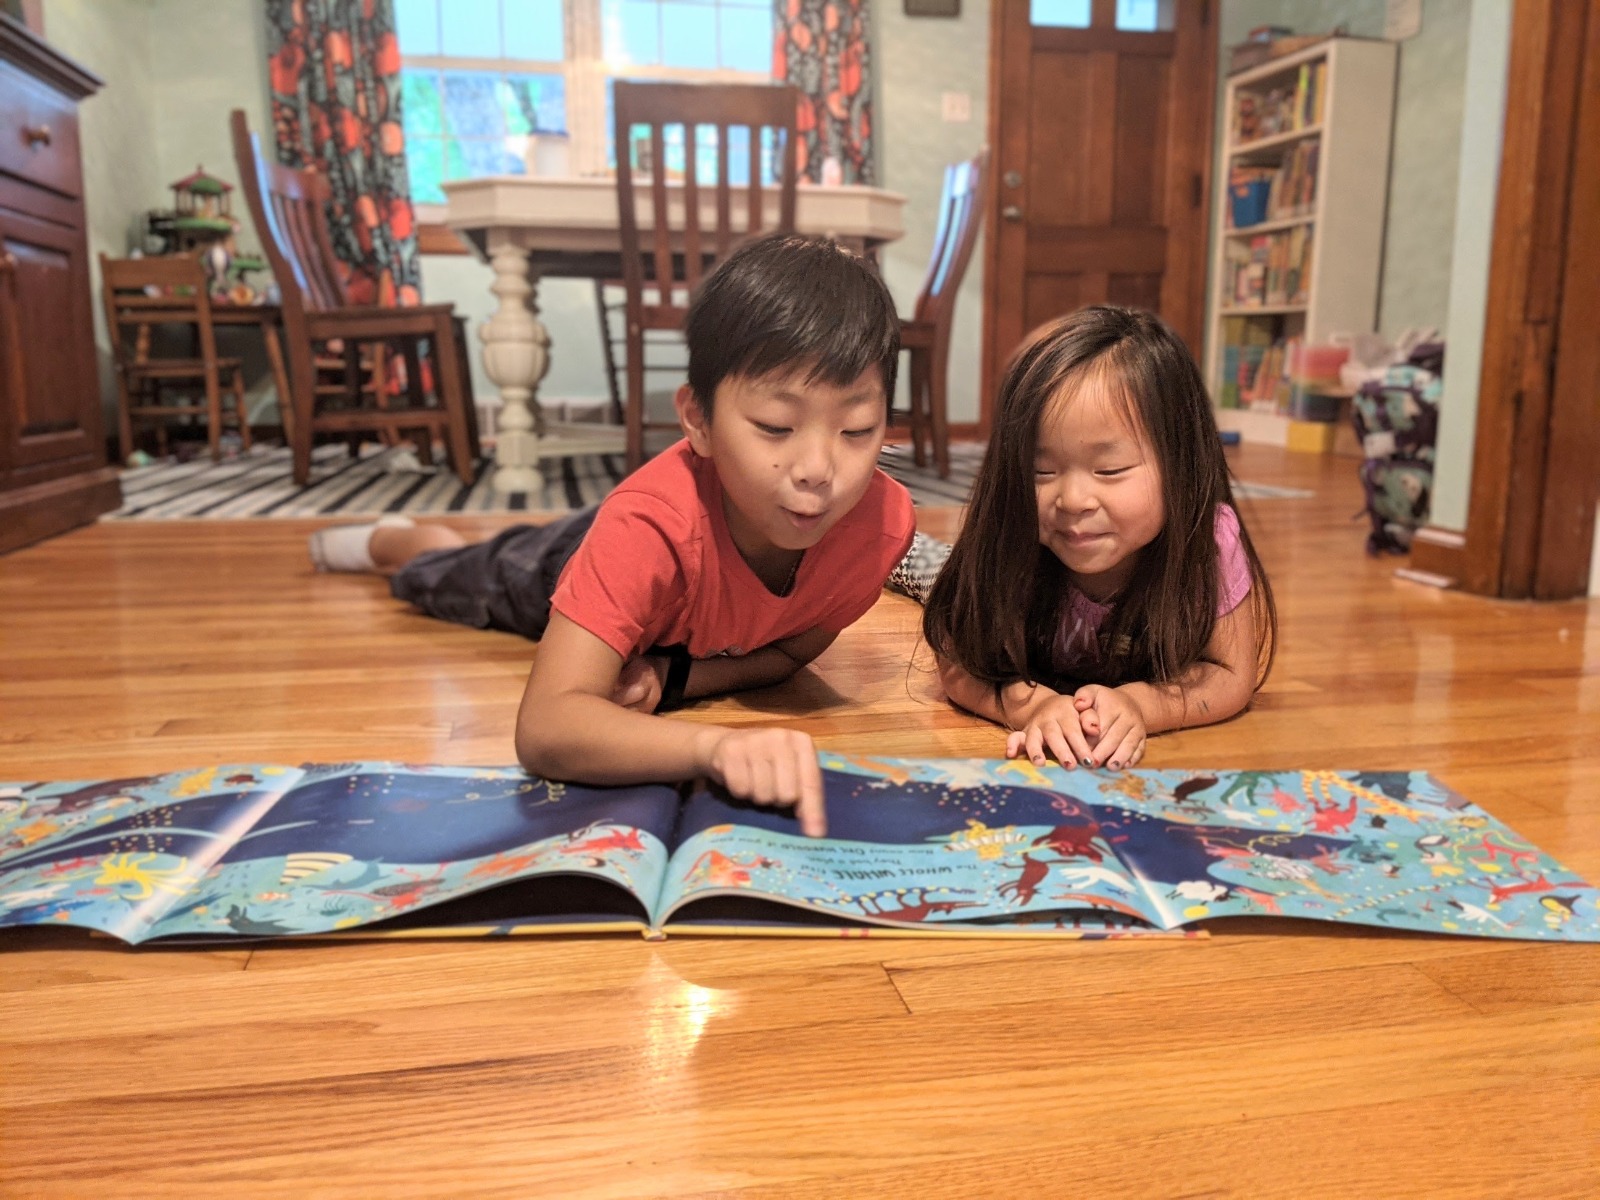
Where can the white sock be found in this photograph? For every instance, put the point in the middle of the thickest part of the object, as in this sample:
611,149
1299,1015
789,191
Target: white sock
349,547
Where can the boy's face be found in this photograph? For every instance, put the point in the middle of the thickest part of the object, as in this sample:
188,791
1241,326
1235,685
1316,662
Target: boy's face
794,455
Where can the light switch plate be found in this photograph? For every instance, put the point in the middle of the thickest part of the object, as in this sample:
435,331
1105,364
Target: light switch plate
955,107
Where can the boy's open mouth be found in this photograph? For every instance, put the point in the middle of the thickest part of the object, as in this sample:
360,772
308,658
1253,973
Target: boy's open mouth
805,521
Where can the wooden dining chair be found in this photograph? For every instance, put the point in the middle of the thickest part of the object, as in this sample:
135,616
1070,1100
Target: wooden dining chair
289,210
926,335
693,224
142,295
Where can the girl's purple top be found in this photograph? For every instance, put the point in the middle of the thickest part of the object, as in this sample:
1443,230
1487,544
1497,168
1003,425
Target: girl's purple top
1077,650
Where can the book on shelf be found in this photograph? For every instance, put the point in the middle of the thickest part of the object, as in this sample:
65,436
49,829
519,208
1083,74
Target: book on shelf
1269,270
1286,108
1274,193
958,847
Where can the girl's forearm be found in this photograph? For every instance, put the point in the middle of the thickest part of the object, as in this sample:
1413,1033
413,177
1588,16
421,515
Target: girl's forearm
1012,707
1205,695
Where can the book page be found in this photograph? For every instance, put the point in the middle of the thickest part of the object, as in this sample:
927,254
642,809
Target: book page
935,842
118,854
354,844
1394,849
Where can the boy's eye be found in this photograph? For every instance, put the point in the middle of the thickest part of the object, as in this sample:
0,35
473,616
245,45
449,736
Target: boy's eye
772,430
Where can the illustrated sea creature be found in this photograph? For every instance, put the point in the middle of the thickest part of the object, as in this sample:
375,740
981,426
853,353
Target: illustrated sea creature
874,904
1025,886
1330,818
1192,787
1201,891
988,844
240,921
1477,915
1558,909
1515,855
304,865
595,846
34,895
197,784
1087,877
718,870
1072,841
1246,782
130,869
1500,893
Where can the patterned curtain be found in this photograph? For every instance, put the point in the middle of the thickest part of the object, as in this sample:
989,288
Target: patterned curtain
335,70
823,48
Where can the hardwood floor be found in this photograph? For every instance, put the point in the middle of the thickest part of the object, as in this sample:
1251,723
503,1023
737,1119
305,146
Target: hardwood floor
1260,1062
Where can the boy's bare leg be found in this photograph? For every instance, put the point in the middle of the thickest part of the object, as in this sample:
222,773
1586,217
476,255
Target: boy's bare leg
392,547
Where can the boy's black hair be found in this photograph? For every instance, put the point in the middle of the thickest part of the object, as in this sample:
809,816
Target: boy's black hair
789,302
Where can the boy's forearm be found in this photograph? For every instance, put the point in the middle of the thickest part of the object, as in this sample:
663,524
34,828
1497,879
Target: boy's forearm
759,668
588,739
1207,694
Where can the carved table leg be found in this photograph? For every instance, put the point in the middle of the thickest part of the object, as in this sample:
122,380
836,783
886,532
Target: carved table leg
516,355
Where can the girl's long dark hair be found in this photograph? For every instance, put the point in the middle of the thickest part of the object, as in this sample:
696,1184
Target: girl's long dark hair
998,603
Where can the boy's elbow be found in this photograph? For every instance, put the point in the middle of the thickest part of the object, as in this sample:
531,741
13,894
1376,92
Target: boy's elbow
538,750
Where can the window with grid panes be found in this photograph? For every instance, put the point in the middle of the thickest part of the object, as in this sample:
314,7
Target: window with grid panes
480,76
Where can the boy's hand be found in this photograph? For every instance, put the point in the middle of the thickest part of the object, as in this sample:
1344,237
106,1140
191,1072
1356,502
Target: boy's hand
1115,723
640,682
769,766
1055,727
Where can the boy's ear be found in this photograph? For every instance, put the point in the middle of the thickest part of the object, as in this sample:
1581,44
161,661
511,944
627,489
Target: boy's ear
692,420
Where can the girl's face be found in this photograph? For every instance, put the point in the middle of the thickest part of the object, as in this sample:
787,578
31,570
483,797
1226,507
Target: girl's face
1098,485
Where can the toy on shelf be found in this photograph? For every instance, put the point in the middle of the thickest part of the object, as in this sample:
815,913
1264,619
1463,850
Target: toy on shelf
201,223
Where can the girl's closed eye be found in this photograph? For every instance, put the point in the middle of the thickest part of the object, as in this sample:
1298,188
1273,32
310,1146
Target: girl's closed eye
772,430
866,432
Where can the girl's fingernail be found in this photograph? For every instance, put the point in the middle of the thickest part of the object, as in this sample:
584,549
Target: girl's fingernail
1038,760
1116,766
1088,762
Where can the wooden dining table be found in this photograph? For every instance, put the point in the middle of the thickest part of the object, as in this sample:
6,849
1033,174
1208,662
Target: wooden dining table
527,228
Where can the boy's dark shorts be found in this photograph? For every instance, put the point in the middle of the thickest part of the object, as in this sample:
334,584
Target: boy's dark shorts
504,583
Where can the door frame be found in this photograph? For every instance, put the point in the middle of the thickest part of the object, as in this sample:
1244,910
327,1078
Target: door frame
1534,485
1184,279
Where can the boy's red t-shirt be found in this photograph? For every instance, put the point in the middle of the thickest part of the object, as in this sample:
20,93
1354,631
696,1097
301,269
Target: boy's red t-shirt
659,568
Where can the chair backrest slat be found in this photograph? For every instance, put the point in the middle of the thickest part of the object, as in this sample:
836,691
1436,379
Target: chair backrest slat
960,213
182,299
680,255
289,208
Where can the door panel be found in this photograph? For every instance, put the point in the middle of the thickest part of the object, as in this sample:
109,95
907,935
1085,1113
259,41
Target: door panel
53,402
1101,180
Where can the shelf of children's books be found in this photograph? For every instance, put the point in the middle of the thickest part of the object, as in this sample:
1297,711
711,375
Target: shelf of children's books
1275,141
1269,226
1261,310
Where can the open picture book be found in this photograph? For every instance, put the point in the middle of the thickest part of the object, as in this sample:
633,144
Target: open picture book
954,847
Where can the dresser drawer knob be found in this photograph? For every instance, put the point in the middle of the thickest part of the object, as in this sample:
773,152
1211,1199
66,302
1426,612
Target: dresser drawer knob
37,135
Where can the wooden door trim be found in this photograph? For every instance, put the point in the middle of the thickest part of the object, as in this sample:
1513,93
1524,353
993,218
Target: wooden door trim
1528,534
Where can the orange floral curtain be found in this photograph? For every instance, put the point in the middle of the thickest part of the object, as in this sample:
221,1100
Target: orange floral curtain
823,48
335,73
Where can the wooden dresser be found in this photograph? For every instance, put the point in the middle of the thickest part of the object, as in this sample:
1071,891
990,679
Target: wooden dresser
53,469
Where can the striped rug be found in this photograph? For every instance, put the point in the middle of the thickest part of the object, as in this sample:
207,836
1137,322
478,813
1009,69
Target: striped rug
258,484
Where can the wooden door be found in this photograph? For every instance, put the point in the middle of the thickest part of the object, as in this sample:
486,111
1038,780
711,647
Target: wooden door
1102,166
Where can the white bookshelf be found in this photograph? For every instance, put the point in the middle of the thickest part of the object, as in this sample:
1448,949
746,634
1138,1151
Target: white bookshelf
1346,221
